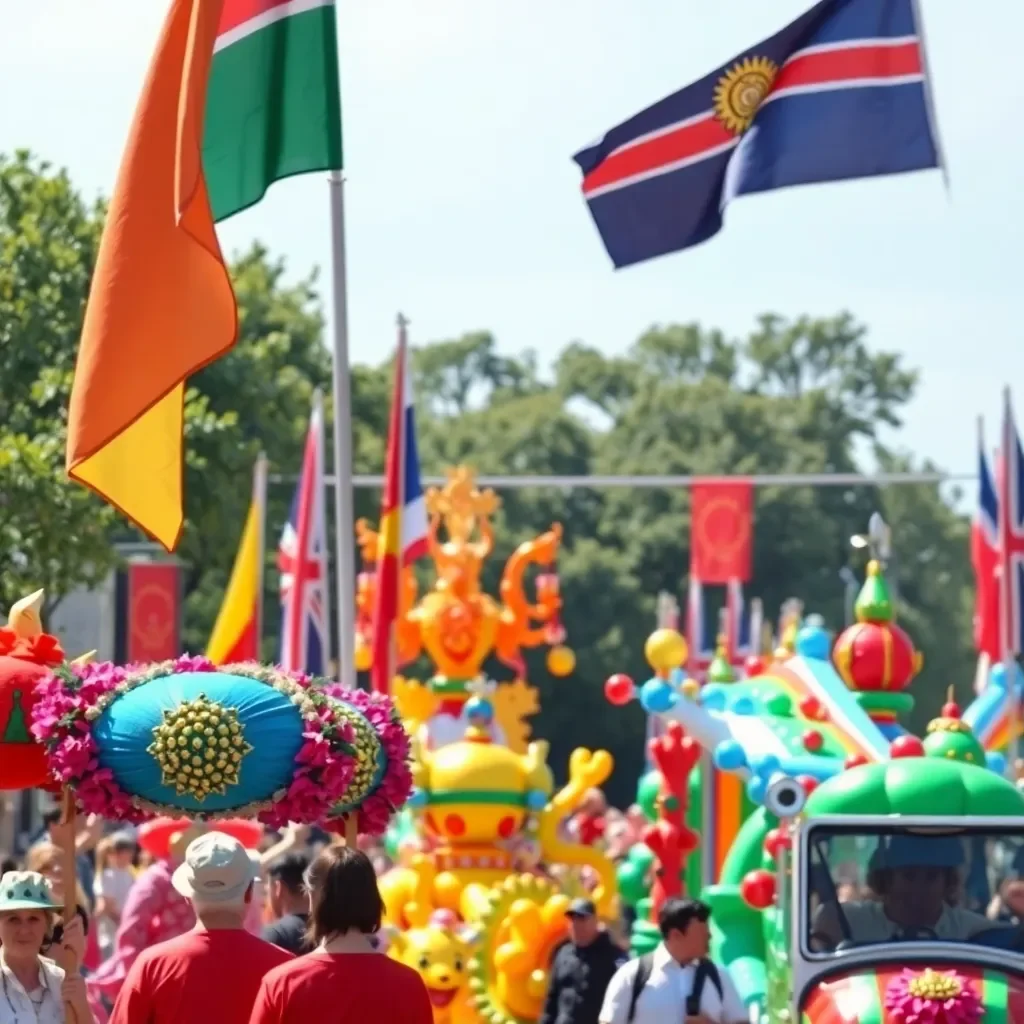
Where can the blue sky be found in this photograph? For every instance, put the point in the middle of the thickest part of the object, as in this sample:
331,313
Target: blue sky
463,204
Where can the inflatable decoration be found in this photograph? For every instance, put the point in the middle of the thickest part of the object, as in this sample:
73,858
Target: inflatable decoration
458,626
874,656
28,655
490,825
185,737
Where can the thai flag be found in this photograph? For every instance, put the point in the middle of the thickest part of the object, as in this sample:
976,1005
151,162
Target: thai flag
985,560
302,561
840,93
403,520
1011,537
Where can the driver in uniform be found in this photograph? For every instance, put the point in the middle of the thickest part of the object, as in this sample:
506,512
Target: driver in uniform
916,881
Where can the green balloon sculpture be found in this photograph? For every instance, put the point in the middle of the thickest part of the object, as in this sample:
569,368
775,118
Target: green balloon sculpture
647,791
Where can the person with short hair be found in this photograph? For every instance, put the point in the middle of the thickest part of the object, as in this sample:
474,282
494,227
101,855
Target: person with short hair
582,968
34,987
289,903
213,972
678,981
344,972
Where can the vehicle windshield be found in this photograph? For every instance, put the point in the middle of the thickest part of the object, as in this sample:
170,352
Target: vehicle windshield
891,883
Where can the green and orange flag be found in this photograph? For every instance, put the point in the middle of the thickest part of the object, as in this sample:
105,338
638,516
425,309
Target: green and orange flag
239,94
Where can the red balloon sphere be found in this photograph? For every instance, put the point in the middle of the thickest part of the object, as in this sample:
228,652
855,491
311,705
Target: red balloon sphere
619,689
754,665
758,889
808,783
776,841
906,746
855,761
813,740
811,708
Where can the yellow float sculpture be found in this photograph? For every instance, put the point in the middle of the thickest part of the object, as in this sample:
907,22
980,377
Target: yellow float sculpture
484,881
458,626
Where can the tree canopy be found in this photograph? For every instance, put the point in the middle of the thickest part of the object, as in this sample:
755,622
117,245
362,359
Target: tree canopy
796,395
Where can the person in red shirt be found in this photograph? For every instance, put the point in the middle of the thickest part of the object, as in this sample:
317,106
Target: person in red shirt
213,972
345,980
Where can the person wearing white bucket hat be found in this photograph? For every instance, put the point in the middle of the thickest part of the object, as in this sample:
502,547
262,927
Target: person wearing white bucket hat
213,972
34,987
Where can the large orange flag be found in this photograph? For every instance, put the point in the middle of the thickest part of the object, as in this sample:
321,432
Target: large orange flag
161,305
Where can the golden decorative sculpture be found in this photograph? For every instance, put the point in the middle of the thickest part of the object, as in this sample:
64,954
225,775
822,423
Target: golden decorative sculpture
456,624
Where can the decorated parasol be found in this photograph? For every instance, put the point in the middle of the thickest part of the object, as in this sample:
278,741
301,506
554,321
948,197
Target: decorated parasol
188,738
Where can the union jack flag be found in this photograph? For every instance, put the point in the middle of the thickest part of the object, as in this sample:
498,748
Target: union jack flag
1011,535
302,561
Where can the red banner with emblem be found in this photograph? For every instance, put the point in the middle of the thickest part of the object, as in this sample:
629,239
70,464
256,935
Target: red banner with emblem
722,531
154,611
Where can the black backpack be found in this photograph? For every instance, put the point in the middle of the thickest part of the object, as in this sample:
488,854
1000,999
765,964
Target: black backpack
705,970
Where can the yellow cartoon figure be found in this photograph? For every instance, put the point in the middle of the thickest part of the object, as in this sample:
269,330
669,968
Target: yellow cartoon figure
441,955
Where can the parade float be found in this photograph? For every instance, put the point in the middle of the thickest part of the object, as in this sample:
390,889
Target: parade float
477,901
457,626
849,819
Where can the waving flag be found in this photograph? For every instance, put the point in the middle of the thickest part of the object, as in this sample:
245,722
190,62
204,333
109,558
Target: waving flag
985,561
1011,536
840,93
238,629
302,561
239,94
403,519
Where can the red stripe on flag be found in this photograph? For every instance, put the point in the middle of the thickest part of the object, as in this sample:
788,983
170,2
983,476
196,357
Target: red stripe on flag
385,618
245,647
238,12
850,64
690,140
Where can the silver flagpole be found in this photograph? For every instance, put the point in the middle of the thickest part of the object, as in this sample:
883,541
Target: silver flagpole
343,490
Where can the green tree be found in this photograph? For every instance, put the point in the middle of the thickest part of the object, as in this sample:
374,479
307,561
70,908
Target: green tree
794,397
52,534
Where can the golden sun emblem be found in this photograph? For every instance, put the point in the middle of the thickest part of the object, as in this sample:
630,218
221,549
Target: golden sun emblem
741,91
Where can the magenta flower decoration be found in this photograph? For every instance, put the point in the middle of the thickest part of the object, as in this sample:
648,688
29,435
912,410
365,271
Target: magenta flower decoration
384,793
932,997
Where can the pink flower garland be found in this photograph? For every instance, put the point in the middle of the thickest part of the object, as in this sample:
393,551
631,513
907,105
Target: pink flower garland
932,997
73,698
377,809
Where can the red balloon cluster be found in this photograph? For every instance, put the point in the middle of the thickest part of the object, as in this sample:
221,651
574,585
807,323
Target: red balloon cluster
619,689
855,761
758,889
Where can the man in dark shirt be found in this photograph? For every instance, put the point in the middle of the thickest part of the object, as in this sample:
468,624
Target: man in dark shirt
582,969
289,903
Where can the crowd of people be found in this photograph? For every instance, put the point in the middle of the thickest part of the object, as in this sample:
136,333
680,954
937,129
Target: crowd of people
215,932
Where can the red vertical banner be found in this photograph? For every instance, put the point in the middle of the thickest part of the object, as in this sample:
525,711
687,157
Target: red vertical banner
154,611
722,531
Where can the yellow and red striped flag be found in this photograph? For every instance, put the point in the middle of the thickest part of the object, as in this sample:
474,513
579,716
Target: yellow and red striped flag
403,519
237,631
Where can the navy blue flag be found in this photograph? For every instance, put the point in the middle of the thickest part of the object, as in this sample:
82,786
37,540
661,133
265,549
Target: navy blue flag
840,93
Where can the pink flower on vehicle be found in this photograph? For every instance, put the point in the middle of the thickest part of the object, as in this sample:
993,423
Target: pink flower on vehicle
932,997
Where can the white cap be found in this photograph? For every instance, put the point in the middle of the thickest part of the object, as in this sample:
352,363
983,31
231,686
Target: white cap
217,869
